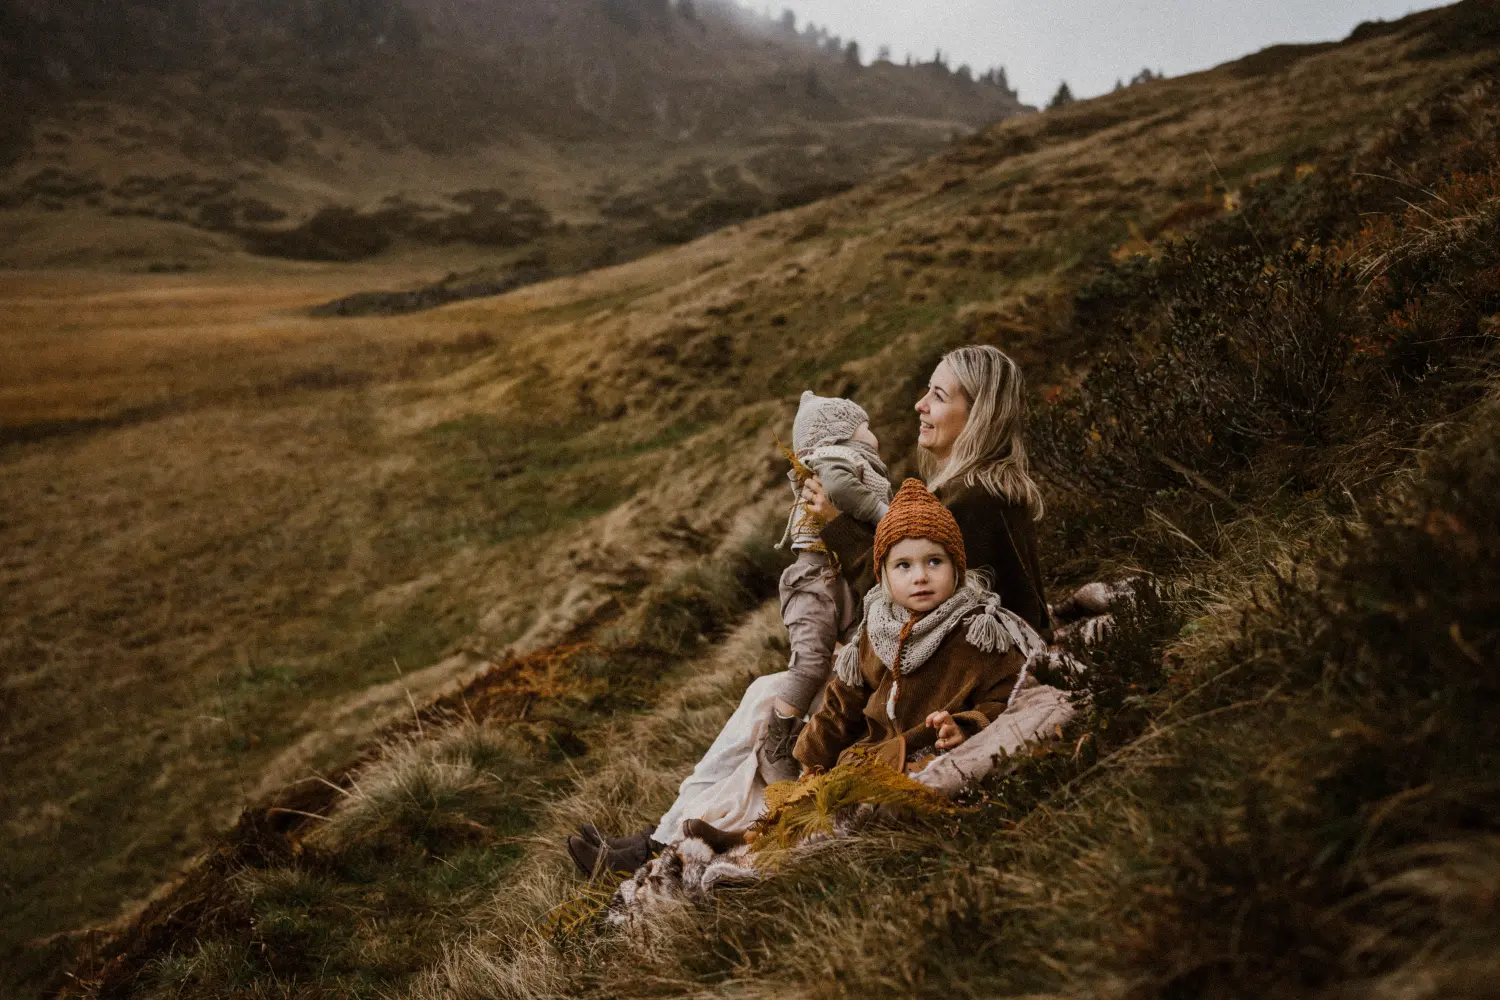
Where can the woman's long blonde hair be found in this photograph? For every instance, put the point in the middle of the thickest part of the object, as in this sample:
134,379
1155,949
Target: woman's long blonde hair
989,450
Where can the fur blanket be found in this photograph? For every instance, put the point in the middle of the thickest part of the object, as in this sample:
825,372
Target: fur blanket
685,874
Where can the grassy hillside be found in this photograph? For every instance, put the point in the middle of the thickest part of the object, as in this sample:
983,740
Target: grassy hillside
298,503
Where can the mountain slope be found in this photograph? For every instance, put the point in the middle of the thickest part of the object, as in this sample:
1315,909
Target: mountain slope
345,493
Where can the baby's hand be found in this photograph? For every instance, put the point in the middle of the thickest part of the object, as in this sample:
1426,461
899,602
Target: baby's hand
817,501
950,734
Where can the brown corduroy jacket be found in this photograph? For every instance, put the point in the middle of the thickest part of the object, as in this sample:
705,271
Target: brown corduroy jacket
999,536
971,684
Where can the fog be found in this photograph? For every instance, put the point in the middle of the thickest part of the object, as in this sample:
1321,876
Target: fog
1089,44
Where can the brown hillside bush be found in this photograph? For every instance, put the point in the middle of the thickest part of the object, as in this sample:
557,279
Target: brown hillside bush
1364,854
1251,351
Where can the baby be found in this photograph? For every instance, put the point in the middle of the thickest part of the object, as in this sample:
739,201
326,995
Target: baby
936,658
831,439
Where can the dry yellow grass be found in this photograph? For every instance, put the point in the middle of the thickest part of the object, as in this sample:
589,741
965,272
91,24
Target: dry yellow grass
231,527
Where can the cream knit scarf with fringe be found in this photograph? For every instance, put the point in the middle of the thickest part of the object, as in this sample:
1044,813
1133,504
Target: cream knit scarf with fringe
991,629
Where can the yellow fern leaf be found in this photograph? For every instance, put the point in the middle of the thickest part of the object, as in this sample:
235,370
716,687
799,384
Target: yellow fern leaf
798,810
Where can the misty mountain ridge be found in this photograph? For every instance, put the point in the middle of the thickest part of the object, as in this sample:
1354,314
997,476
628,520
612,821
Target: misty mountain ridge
654,119
616,64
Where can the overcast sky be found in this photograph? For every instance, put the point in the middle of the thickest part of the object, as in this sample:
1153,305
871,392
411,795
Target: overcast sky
1089,43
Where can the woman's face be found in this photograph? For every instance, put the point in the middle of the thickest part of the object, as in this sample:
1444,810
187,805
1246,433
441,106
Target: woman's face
941,413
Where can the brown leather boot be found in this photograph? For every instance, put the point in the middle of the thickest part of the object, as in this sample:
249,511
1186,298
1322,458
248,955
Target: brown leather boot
720,840
624,855
591,833
775,751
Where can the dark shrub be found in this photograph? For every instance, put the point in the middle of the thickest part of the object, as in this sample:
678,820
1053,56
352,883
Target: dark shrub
257,135
337,233
1245,351
1374,803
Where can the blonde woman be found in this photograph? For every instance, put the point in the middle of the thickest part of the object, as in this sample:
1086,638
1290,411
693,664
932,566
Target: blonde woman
970,424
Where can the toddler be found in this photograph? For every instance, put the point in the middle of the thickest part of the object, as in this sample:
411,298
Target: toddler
936,657
831,439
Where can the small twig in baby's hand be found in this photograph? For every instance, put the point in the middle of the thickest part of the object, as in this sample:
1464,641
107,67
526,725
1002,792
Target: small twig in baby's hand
803,472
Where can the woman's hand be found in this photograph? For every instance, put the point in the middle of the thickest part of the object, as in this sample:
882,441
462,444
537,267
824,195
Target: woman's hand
950,734
817,501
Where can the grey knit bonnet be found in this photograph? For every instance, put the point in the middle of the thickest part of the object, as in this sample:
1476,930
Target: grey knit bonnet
825,420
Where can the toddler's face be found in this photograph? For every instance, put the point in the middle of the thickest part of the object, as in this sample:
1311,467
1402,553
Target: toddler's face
920,574
867,436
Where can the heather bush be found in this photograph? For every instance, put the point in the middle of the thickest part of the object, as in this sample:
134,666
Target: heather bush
1373,804
1293,347
1247,351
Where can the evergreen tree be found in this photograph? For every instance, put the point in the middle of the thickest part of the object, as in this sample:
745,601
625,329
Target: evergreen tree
995,77
1062,98
851,54
633,14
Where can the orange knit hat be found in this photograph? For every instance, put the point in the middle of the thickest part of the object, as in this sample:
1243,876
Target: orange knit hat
916,513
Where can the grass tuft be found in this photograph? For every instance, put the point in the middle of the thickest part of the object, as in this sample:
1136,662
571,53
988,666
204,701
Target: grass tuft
433,791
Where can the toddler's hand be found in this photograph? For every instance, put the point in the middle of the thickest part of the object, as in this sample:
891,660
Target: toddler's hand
950,734
817,501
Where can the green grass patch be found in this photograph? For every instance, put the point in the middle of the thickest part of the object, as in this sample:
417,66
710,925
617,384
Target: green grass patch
571,312
492,480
